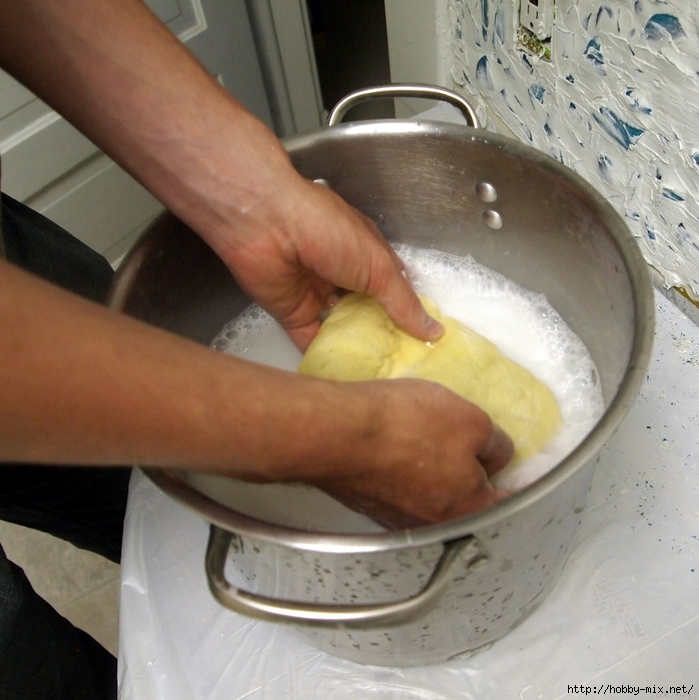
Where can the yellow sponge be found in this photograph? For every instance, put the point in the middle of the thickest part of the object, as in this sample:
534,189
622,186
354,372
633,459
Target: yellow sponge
359,342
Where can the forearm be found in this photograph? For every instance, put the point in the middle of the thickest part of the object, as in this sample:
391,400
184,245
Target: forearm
80,384
121,78
118,75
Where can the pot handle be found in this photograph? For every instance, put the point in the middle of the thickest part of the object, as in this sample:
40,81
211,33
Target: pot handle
275,610
431,92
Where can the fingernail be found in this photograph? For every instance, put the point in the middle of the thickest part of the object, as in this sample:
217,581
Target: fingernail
433,328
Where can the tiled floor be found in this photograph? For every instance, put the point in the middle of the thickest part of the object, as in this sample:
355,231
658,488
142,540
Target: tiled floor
81,586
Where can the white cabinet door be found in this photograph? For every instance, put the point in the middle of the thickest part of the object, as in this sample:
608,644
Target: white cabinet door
49,165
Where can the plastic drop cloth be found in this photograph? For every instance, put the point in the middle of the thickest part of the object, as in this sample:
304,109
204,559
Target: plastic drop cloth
624,612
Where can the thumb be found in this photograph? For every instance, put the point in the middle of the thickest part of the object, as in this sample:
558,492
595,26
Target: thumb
399,300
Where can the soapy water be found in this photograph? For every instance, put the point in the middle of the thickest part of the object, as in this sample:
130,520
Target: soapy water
523,325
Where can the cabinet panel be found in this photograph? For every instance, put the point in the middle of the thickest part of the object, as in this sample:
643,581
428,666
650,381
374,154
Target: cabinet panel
56,170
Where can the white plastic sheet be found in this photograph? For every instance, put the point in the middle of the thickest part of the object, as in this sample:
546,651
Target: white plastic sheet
625,611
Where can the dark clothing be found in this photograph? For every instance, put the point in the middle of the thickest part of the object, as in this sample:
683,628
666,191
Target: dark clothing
40,246
42,655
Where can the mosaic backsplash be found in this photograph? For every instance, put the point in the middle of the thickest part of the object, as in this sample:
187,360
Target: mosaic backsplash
618,103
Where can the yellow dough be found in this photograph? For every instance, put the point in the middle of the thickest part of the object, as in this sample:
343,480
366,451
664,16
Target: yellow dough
358,342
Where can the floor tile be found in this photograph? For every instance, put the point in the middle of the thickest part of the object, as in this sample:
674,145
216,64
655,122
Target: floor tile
97,613
80,585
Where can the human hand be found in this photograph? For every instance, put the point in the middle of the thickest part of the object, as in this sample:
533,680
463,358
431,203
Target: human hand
427,460
305,245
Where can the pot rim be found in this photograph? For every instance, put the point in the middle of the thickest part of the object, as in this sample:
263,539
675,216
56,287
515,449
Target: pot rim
172,482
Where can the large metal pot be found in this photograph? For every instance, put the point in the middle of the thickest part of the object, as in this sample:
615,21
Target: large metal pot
431,593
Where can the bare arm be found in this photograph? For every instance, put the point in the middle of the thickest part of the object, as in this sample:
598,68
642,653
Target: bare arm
113,70
109,390
82,384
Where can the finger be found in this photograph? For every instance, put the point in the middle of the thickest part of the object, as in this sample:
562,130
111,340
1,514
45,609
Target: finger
497,452
484,497
399,300
301,337
375,269
385,514
391,288
391,516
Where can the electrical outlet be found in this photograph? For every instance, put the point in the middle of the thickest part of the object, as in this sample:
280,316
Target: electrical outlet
537,17
528,42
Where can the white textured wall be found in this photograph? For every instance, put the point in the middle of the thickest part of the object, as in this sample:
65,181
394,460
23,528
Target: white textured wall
619,104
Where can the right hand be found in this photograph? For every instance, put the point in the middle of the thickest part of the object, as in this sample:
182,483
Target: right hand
294,250
427,460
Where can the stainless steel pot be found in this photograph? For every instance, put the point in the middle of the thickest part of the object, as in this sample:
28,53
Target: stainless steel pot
432,593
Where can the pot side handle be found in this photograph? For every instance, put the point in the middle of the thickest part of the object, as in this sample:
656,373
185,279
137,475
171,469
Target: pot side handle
275,610
431,92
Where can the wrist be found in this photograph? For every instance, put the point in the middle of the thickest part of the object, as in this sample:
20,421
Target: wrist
331,435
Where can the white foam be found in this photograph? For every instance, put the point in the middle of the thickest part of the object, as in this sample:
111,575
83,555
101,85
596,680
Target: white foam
255,335
521,323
